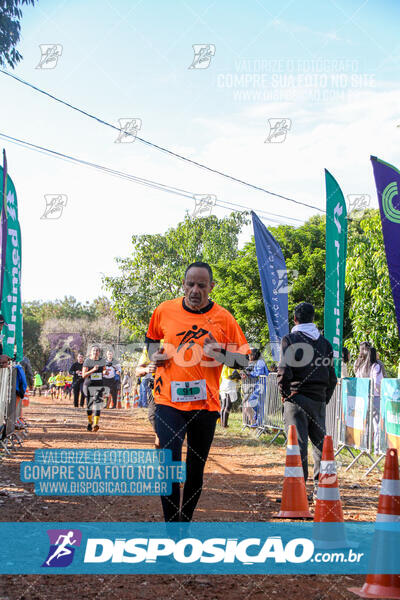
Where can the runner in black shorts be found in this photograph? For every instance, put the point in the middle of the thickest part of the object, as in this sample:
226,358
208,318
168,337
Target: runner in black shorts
93,386
199,337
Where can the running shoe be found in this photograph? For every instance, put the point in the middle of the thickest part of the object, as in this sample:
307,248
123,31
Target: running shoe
96,428
89,427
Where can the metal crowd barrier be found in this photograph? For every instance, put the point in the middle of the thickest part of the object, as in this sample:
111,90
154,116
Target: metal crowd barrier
253,399
262,412
10,411
359,438
262,405
333,418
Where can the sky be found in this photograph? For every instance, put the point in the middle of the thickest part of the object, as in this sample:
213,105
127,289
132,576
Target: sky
328,72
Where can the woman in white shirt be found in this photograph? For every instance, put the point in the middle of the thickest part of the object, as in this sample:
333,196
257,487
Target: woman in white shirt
367,365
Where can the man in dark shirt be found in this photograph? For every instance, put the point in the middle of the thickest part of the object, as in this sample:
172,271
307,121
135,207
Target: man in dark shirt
77,382
307,380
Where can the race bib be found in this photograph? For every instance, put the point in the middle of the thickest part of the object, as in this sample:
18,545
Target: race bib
188,391
96,376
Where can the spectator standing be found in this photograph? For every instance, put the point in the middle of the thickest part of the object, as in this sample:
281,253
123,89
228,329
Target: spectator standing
368,365
228,391
307,380
27,367
254,371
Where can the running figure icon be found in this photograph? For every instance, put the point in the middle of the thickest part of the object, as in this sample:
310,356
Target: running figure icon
62,550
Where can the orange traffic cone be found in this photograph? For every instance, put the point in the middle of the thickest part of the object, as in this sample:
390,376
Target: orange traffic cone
377,585
127,402
328,507
119,404
135,399
294,503
25,399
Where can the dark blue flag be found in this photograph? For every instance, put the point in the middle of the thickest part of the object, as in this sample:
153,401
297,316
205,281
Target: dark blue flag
387,179
274,284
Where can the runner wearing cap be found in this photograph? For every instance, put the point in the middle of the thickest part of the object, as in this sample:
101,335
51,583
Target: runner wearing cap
199,337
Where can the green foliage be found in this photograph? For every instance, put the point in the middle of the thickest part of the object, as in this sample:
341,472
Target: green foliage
156,268
304,251
239,288
154,272
94,320
10,29
371,311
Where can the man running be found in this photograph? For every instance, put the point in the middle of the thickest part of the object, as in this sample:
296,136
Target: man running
52,385
93,387
77,381
199,337
145,370
59,384
37,383
68,385
113,368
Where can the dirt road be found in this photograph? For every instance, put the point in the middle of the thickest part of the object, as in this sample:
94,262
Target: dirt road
242,483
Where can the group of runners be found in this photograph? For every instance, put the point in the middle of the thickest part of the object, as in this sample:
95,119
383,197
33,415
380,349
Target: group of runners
60,385
93,380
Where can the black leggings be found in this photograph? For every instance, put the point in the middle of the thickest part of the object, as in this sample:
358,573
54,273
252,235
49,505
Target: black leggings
78,391
113,387
171,426
226,405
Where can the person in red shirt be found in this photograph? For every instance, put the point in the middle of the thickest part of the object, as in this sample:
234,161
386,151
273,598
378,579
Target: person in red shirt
199,338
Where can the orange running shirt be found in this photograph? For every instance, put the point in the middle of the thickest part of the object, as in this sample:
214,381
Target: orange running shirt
189,372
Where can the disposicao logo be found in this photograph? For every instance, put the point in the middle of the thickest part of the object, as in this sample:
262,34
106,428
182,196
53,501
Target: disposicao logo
62,547
190,550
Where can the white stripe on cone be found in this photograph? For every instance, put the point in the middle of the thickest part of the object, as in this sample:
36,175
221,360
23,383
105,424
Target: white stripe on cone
328,493
328,467
381,518
292,450
390,487
294,472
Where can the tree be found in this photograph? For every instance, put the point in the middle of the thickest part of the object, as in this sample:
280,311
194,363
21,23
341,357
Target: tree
372,310
10,29
240,287
156,268
95,321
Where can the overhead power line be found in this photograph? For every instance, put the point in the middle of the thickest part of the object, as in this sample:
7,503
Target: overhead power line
157,147
139,180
